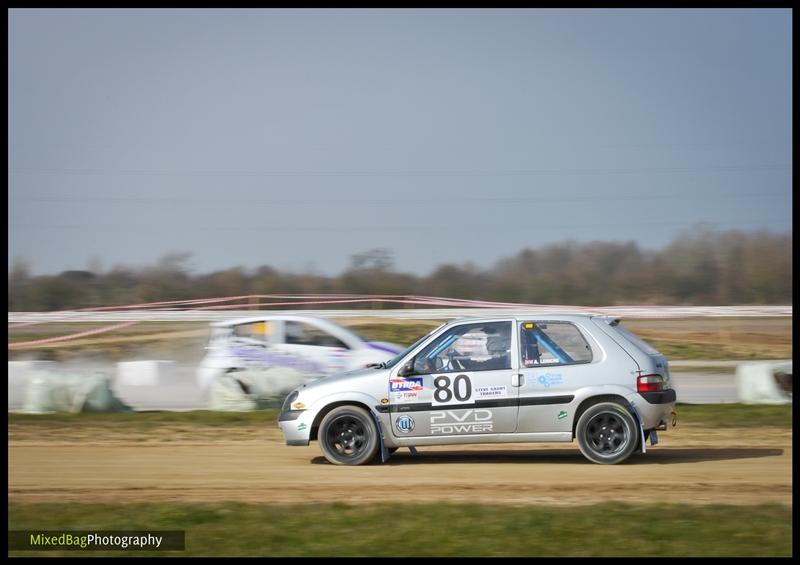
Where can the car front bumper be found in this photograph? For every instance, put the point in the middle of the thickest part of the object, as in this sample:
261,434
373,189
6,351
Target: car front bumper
296,426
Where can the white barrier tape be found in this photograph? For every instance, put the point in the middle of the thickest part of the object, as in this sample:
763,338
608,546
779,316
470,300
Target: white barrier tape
400,314
329,298
354,300
28,344
302,299
76,315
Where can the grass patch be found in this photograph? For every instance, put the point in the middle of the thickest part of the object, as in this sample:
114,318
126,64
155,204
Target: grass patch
687,351
237,529
735,415
146,420
401,334
705,370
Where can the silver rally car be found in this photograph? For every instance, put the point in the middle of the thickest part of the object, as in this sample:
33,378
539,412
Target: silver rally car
516,378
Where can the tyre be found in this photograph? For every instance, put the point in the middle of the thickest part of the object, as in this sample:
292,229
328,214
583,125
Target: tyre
348,436
607,433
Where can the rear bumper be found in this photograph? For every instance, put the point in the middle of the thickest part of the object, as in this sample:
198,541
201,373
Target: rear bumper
655,409
660,397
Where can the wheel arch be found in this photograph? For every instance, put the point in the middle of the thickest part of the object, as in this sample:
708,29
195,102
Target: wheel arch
327,408
597,399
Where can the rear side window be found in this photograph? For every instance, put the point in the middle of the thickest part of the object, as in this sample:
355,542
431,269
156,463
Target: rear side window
300,333
253,330
552,343
636,340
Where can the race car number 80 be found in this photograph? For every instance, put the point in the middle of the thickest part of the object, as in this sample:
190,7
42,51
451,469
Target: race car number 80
459,390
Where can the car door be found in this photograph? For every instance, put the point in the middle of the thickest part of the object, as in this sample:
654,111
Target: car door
462,383
311,349
248,342
555,358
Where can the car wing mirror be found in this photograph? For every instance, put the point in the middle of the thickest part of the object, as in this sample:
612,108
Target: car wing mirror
407,369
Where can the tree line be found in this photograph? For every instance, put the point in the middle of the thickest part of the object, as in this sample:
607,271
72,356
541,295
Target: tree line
699,267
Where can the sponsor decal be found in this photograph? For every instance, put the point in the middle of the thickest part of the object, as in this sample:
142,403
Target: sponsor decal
384,401
301,426
562,414
258,356
472,421
496,391
549,379
404,424
401,384
405,396
298,406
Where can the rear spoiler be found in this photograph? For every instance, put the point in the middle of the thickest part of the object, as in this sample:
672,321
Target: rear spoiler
611,320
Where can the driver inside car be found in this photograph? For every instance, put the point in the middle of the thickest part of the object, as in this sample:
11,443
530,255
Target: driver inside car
499,347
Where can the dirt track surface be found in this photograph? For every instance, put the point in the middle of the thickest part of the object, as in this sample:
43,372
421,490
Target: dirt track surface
696,466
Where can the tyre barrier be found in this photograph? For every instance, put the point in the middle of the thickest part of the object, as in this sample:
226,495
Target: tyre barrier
144,373
764,382
49,391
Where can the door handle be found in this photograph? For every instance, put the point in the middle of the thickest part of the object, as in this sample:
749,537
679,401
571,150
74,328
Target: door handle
517,380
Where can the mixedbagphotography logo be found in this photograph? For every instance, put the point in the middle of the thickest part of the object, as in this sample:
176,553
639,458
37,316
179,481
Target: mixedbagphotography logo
84,540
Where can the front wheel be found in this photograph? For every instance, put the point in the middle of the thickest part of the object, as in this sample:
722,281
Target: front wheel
348,436
607,433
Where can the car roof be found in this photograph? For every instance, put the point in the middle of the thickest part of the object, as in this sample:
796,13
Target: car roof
539,315
517,315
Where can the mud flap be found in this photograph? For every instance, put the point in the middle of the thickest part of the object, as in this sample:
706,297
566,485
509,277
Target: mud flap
641,427
384,450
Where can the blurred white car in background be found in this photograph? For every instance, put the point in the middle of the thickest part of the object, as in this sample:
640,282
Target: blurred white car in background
291,346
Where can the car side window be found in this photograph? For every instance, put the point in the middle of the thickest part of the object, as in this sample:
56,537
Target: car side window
552,343
468,347
254,330
300,333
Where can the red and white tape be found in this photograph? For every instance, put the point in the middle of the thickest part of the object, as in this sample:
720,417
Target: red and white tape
37,342
176,307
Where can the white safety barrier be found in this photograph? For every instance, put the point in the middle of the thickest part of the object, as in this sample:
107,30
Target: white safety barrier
764,382
54,391
144,373
18,374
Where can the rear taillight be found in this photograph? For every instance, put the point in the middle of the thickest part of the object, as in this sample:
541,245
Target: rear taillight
649,383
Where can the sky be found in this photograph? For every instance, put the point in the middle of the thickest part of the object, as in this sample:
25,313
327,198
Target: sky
298,138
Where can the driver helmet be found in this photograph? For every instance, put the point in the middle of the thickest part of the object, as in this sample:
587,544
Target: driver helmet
499,343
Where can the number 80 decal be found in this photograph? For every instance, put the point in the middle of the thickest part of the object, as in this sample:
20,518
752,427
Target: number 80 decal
457,391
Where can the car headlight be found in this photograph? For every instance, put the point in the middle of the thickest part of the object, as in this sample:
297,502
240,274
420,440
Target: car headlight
287,404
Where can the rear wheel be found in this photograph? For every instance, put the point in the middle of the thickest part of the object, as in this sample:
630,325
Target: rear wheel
348,436
607,433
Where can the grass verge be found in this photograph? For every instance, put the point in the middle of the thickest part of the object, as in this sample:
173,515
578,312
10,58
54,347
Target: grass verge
734,415
145,420
236,529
